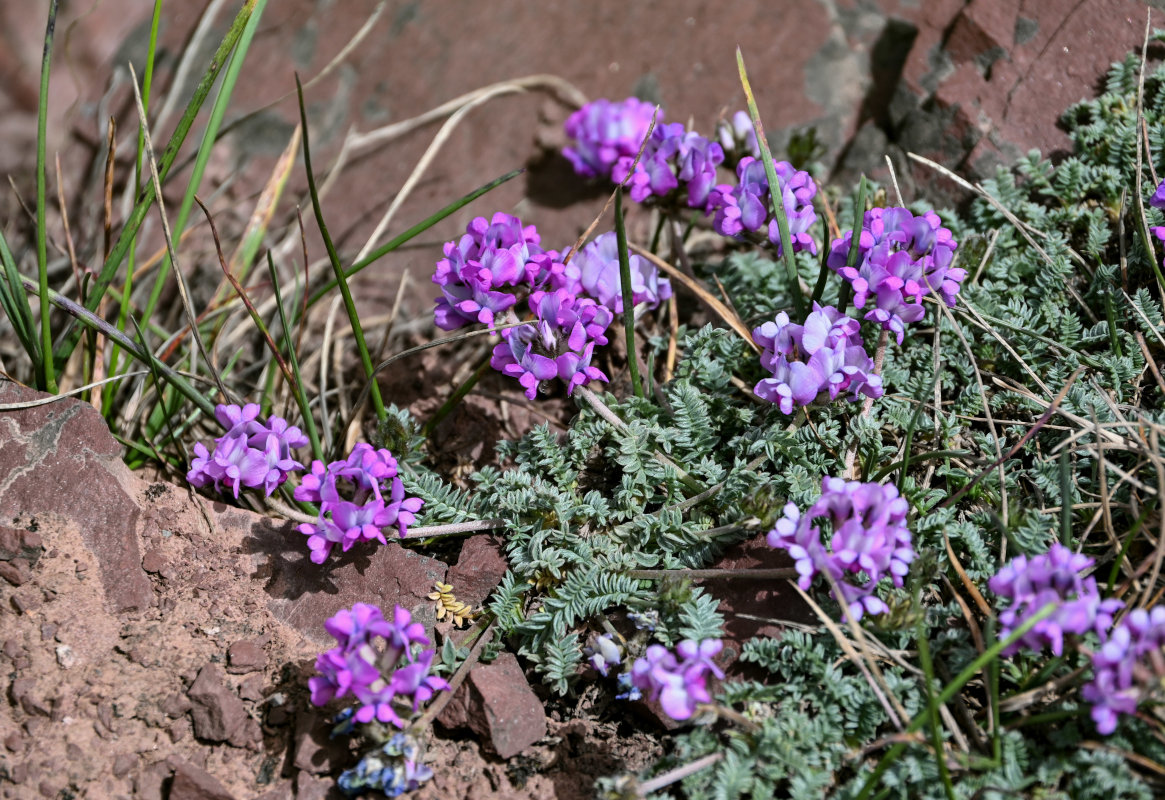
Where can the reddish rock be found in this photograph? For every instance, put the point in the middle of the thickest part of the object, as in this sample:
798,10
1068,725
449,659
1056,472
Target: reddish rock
16,543
309,787
245,656
192,783
22,692
123,764
497,703
11,572
251,688
754,608
478,570
59,463
154,560
216,711
315,751
304,595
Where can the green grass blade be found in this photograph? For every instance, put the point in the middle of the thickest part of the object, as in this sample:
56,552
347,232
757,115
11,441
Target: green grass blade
15,302
628,295
334,258
128,233
775,192
47,378
414,231
209,138
300,396
127,288
91,320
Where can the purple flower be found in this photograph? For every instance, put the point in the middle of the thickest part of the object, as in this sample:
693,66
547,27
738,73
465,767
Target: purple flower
604,131
823,356
604,653
1127,667
747,207
476,270
678,685
359,497
674,159
558,343
369,648
594,271
251,453
870,541
737,137
1054,577
1158,198
901,259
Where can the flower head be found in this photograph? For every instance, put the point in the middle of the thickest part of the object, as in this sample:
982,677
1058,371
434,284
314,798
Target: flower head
901,259
1055,577
674,160
747,207
604,131
825,356
358,496
869,541
478,268
678,685
251,453
1127,668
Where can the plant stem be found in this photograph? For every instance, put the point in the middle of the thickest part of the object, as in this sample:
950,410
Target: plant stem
48,378
628,294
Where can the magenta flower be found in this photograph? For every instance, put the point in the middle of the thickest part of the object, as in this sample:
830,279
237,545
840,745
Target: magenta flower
1054,577
594,271
870,541
825,356
478,268
604,131
359,497
678,685
902,258
747,207
674,160
1158,198
251,453
558,343
375,661
1127,668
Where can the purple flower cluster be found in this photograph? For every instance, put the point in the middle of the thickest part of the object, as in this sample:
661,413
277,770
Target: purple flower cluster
558,344
674,160
678,683
1054,577
747,207
603,132
870,539
1127,667
358,667
594,272
901,259
823,356
490,256
483,275
358,496
251,453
